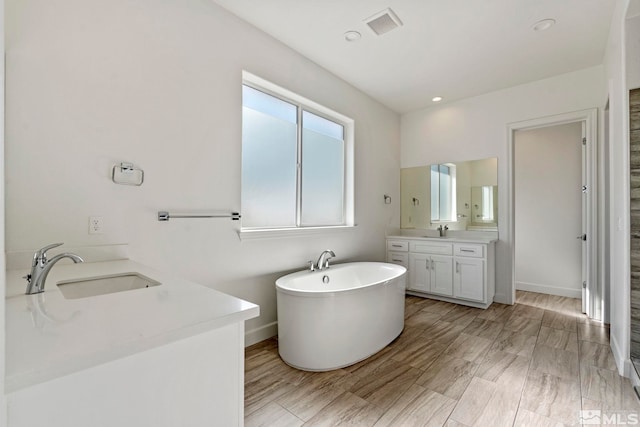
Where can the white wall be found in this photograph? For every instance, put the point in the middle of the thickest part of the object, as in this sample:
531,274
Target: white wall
633,46
618,54
93,83
3,412
476,128
548,211
619,186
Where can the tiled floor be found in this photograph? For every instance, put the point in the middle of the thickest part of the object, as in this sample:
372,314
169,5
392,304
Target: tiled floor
537,363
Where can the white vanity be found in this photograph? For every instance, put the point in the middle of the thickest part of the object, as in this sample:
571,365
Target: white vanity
458,270
163,356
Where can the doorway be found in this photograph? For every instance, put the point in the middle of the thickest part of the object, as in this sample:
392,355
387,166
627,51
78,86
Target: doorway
549,223
592,288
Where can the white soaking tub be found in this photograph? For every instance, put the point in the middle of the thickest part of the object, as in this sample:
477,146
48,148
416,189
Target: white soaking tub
339,316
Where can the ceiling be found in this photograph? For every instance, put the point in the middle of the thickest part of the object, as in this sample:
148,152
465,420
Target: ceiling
449,48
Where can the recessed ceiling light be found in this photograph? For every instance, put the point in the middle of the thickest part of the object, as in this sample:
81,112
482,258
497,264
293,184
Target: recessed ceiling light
544,24
352,36
436,99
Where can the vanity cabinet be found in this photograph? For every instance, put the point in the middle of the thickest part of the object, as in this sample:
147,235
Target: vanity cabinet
451,270
430,274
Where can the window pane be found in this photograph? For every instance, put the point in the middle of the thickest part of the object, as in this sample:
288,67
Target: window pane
322,171
445,193
321,125
264,103
269,157
487,203
435,193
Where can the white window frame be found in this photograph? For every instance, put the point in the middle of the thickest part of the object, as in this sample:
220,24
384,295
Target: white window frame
348,124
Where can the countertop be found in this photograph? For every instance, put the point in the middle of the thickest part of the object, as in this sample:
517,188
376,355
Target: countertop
447,239
48,336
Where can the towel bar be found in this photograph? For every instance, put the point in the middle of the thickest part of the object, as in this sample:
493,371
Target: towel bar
165,216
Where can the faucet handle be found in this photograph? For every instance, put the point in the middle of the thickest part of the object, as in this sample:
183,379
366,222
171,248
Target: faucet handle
42,253
312,266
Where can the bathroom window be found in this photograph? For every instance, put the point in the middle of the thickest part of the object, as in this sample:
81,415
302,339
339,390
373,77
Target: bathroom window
443,192
487,203
297,161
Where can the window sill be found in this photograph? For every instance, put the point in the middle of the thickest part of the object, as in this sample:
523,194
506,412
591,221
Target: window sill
292,232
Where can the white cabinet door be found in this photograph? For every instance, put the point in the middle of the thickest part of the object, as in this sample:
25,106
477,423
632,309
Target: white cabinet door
468,279
442,275
419,272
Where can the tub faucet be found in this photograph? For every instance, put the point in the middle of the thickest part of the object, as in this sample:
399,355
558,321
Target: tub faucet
323,261
41,266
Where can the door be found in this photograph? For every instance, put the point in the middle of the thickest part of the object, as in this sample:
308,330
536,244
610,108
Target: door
419,273
468,279
442,275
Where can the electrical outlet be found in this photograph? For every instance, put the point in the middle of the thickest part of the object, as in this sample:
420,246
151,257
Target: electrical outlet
95,224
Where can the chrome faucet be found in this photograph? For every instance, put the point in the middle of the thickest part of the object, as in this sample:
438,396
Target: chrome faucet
323,260
41,266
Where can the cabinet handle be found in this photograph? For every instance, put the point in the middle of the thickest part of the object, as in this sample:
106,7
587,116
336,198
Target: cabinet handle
396,260
427,264
432,266
467,250
397,246
457,267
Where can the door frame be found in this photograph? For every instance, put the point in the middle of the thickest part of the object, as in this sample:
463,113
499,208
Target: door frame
605,209
594,291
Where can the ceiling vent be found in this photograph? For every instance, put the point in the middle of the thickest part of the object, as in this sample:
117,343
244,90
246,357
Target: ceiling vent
383,22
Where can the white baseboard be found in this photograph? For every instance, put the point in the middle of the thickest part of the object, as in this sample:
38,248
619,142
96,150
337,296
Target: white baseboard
551,290
260,334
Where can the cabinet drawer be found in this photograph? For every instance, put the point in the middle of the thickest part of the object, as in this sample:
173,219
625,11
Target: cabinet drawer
401,258
470,250
427,247
398,245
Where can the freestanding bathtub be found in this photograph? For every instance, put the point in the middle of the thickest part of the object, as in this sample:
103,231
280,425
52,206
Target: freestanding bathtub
336,317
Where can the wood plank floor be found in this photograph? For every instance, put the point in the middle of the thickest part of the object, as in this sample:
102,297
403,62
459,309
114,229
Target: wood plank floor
536,363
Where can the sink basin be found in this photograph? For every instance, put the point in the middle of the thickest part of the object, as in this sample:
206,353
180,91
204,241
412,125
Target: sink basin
91,287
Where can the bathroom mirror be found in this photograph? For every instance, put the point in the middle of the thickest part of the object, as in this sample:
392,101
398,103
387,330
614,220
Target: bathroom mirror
463,195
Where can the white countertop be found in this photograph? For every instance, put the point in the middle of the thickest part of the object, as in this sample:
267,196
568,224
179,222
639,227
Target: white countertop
48,336
447,239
